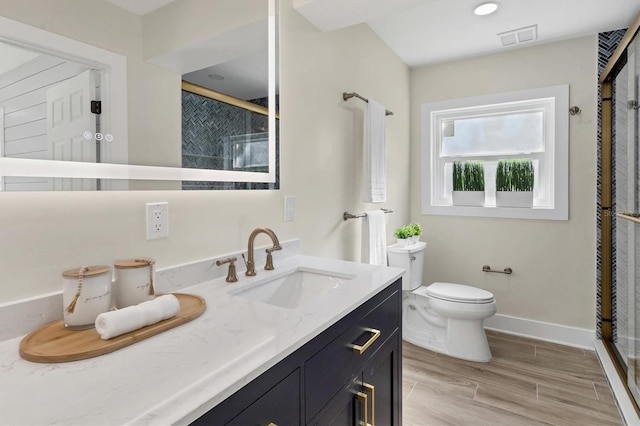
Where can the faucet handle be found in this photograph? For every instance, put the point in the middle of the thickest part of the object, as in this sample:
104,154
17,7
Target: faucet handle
269,264
231,274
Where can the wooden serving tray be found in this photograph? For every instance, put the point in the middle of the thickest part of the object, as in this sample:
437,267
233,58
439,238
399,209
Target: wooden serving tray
54,343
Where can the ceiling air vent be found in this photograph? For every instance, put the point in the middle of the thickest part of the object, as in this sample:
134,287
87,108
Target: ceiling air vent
520,35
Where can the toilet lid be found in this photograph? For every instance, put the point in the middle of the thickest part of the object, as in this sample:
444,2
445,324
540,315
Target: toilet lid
459,293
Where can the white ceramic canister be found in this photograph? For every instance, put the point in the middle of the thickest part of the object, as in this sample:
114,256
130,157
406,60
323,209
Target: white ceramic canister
86,294
135,280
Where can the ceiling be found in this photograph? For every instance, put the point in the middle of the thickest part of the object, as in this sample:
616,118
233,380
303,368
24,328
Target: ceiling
423,32
140,7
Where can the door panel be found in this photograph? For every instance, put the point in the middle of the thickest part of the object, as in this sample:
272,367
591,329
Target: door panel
381,381
69,116
344,409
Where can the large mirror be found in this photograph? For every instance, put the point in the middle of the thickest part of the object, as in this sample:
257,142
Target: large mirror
210,122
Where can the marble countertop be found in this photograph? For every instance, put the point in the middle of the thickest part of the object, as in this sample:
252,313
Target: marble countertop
178,375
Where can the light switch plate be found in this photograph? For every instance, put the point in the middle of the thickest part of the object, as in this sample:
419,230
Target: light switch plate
289,208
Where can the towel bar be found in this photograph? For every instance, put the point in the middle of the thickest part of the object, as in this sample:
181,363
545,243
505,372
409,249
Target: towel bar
346,96
507,270
347,215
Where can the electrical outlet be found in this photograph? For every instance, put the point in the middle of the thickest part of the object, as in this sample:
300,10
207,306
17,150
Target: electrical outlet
157,220
289,208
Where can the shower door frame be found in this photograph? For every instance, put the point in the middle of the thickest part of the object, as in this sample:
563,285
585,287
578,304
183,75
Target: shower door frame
614,66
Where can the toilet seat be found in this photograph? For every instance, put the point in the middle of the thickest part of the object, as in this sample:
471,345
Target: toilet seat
455,293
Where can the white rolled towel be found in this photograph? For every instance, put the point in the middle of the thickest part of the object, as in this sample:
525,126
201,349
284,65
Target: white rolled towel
114,323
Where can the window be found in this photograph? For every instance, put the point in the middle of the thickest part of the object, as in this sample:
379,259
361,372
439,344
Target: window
250,151
530,124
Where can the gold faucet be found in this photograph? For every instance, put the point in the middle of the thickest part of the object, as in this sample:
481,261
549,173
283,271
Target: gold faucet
251,268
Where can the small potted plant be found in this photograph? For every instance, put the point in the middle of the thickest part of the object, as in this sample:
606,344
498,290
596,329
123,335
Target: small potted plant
417,231
468,183
403,234
514,183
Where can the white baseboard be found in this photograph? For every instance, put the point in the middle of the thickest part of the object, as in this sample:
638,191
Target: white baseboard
555,333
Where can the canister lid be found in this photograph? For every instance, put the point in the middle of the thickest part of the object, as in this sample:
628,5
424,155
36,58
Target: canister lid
133,263
90,271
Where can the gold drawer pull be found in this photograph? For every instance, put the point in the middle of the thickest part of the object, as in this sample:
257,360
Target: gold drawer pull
362,398
372,389
374,335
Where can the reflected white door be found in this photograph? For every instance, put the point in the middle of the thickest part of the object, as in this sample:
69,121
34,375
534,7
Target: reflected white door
69,116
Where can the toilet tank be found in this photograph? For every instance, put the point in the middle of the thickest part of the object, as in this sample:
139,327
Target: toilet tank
410,258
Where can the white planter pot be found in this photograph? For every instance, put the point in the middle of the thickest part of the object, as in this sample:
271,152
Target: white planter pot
468,198
413,240
402,242
514,199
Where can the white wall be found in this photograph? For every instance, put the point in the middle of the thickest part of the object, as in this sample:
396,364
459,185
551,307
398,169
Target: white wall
553,261
43,234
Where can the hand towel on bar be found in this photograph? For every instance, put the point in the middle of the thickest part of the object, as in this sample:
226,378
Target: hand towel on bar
114,323
374,177
374,238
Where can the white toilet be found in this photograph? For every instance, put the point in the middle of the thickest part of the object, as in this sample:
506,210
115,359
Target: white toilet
443,317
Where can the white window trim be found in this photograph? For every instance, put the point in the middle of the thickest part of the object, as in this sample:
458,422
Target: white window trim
560,208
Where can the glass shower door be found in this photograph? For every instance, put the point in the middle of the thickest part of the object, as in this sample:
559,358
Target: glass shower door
627,227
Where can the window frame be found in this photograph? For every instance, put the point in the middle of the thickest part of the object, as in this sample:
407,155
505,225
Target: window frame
554,162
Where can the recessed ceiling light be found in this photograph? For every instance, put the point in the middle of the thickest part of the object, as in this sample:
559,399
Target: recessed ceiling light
486,8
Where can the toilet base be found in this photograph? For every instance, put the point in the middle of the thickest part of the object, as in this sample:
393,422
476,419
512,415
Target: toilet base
474,345
465,339
480,352
415,332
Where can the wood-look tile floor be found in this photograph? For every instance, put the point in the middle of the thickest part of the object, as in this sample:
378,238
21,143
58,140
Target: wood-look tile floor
527,382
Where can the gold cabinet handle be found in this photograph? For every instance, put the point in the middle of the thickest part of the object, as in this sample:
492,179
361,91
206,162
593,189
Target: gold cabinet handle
372,389
362,398
374,335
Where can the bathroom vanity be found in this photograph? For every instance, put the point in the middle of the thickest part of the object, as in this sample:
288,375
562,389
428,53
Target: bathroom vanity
350,372
265,350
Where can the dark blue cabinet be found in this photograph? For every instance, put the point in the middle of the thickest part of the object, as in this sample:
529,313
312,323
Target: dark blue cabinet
373,395
350,374
279,406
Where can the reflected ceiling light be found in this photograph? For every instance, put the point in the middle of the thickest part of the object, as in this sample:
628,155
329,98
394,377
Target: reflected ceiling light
216,77
486,8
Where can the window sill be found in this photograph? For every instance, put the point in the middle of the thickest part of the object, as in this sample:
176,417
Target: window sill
540,213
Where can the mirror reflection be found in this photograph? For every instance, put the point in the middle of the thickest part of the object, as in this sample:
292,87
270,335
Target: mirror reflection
51,108
225,125
57,108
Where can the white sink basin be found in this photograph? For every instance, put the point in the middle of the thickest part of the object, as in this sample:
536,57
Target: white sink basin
296,288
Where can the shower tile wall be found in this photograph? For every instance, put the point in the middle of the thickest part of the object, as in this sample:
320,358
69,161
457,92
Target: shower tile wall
607,44
205,124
